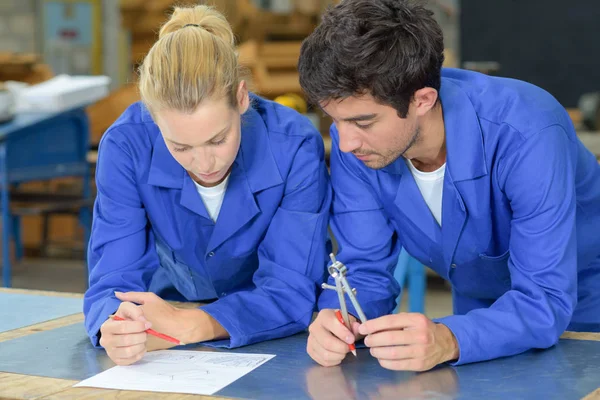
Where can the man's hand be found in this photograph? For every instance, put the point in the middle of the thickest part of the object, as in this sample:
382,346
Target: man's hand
329,339
409,342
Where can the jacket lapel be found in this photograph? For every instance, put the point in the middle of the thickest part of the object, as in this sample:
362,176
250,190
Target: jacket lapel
191,199
254,170
410,202
166,172
464,187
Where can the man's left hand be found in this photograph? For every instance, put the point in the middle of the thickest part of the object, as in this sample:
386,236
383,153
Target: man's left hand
409,342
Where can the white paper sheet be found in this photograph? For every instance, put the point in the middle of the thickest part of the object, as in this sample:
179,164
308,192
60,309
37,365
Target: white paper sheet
179,371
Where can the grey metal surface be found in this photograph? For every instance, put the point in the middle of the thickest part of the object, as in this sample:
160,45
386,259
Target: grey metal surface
569,370
20,310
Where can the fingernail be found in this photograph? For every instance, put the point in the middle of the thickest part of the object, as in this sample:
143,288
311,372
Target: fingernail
349,339
118,293
362,330
148,325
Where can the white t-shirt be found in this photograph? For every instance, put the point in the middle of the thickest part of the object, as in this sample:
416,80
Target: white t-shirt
431,186
212,197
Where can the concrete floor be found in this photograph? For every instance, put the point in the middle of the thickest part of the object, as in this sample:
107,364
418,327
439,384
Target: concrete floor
49,274
69,276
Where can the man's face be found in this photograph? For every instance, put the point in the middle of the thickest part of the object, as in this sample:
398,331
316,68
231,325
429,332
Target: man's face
373,132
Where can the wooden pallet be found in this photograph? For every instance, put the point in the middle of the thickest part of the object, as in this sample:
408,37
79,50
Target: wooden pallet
23,67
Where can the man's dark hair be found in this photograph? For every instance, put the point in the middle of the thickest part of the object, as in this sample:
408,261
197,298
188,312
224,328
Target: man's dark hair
386,48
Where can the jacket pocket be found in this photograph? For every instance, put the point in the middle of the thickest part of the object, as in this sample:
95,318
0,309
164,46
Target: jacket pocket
501,257
180,274
498,265
483,277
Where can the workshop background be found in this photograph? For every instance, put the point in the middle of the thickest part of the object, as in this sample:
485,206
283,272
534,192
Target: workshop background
56,55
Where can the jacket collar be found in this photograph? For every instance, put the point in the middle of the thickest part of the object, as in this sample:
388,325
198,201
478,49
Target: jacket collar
465,153
254,157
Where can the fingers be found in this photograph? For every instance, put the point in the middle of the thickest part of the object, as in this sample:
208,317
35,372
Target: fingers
397,338
125,341
330,323
134,323
128,361
394,322
114,328
136,297
406,342
393,353
323,356
128,340
122,333
124,327
355,327
124,349
127,355
328,340
131,312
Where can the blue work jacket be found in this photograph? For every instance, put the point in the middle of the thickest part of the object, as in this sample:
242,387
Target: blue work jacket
258,266
520,234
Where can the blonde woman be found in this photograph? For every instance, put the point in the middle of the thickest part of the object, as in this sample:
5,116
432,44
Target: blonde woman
205,193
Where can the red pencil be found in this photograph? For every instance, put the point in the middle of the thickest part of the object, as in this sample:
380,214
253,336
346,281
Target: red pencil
338,314
153,332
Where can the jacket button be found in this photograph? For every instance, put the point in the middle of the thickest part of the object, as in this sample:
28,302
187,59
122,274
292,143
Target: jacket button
453,265
211,254
223,294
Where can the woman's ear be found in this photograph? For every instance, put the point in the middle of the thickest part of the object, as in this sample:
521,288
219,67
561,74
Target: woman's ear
243,97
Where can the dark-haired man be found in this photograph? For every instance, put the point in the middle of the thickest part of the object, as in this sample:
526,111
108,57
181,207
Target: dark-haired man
481,178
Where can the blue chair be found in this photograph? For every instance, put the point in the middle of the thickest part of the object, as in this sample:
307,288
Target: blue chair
410,272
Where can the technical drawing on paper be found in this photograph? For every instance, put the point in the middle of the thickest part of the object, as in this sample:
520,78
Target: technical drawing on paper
179,371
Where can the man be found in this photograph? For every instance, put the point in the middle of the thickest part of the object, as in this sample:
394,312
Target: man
483,179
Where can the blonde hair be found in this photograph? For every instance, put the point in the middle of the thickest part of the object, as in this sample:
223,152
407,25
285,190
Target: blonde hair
193,60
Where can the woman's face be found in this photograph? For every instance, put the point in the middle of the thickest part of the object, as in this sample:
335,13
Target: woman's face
205,142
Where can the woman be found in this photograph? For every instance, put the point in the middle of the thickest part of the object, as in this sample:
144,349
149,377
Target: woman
205,193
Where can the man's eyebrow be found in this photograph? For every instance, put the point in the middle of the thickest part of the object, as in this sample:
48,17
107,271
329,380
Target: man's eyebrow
363,117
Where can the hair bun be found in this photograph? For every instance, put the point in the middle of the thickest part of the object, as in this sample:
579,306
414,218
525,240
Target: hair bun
200,16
